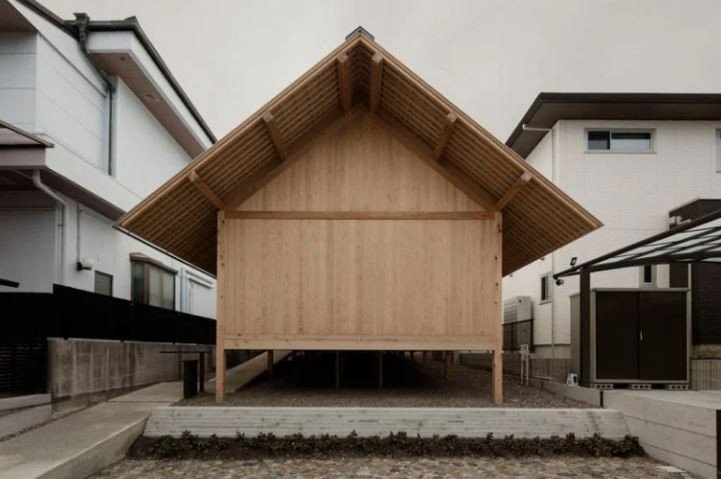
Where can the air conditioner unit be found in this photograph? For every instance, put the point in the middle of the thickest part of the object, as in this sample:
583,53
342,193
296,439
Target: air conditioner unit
517,308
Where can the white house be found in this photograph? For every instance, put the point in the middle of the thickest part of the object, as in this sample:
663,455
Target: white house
630,159
91,122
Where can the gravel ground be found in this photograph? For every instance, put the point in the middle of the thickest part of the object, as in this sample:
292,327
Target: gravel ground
310,382
386,468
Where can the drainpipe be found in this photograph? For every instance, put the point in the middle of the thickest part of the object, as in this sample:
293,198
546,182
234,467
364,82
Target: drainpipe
81,24
554,179
38,182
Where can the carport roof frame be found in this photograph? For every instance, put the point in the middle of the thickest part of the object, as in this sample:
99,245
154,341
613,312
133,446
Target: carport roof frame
692,242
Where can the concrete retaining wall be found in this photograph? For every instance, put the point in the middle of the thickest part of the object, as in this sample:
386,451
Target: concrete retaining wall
81,366
426,422
676,427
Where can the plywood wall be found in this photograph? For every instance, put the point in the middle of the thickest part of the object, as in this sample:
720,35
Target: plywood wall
360,283
362,166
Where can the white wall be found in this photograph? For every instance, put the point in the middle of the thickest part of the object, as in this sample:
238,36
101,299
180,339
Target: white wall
17,79
630,193
146,155
30,216
111,249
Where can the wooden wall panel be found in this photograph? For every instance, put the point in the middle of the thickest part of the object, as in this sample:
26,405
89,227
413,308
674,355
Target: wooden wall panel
361,167
403,280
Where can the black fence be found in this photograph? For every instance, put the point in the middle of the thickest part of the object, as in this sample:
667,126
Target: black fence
28,319
517,333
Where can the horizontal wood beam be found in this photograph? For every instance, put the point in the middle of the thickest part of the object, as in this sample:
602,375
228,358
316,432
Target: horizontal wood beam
359,215
363,343
203,187
374,89
448,126
344,82
274,132
513,190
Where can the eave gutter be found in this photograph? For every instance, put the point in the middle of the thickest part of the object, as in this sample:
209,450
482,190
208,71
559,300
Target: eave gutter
131,25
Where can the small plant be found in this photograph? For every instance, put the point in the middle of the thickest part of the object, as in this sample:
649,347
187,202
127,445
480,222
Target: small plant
189,446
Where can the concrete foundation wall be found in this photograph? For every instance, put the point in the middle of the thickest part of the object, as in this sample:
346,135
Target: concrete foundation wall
82,366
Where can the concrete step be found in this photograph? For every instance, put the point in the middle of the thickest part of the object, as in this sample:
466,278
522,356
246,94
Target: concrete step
426,422
16,420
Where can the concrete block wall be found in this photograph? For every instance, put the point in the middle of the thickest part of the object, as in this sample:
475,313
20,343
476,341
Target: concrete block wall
83,366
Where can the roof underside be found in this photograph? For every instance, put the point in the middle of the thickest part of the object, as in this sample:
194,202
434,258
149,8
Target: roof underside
181,219
548,108
691,242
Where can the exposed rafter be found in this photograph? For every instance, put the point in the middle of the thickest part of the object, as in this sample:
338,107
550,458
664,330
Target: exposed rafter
445,135
344,82
513,190
447,169
203,187
272,126
374,88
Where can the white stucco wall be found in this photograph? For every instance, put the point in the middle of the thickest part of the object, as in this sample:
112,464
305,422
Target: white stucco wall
146,155
630,193
17,78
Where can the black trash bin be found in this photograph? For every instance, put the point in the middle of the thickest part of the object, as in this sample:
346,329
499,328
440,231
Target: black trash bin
190,378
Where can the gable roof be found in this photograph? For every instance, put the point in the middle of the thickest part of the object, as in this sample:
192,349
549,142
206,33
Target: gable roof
181,216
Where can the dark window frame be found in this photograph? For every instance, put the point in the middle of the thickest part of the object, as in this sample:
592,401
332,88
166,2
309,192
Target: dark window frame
147,265
610,133
95,282
546,295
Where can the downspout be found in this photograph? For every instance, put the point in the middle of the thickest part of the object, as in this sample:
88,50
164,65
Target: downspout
38,182
81,24
554,179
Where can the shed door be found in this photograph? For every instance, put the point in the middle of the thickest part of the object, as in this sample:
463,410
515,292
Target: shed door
616,336
662,333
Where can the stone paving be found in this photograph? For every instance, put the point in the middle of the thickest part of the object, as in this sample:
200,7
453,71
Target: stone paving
389,468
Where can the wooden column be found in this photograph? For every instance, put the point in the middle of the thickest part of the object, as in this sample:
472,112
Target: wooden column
449,362
337,369
270,363
497,369
220,313
380,369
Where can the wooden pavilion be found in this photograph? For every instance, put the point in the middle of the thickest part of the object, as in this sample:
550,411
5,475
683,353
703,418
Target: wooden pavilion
359,210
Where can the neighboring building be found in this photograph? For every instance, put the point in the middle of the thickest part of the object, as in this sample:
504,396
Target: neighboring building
630,159
92,122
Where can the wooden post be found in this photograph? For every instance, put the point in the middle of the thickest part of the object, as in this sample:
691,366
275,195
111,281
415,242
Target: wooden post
337,369
380,369
585,327
270,363
449,362
220,313
497,369
497,377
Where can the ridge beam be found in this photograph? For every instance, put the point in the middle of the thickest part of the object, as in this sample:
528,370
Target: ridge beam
374,89
446,132
203,187
274,132
344,82
513,190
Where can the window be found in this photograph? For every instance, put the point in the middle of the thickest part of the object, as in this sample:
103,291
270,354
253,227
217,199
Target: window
546,287
152,283
647,276
620,141
103,283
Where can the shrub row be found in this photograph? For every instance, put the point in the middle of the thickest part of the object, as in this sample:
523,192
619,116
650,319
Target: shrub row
189,446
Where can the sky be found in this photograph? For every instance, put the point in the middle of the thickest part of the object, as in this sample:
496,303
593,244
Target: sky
489,57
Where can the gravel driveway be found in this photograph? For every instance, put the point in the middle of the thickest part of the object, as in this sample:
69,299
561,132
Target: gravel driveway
387,468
